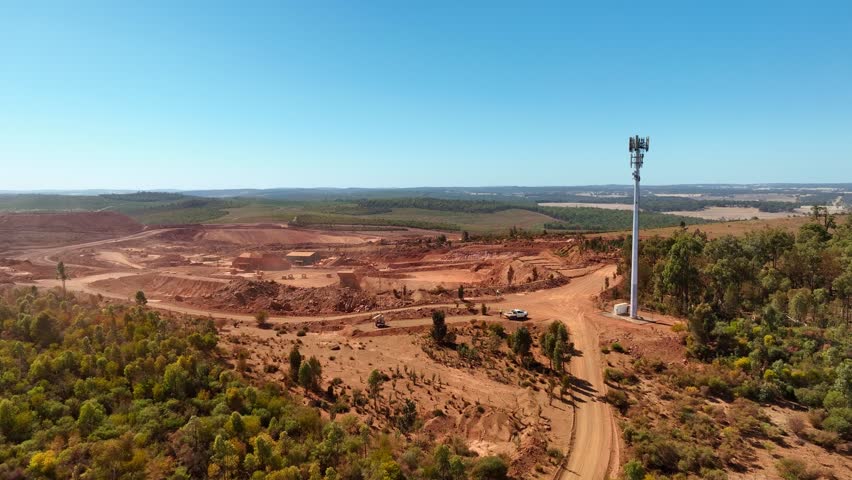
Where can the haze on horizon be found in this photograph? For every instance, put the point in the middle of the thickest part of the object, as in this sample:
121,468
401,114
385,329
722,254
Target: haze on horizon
284,94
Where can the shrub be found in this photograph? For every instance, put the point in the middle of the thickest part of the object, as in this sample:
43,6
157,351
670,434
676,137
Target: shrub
824,439
719,388
613,375
810,397
633,470
659,454
616,347
839,420
490,468
796,423
713,474
618,399
497,329
795,469
262,318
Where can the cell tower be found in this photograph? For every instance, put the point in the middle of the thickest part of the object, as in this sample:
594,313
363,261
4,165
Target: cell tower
638,147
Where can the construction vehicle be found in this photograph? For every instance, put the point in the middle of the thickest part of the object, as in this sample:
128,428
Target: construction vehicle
379,320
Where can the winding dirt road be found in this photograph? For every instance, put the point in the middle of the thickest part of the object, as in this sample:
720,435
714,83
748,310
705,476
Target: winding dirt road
594,451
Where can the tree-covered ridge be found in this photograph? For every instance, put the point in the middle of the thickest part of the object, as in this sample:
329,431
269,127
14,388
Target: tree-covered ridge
101,392
770,310
145,207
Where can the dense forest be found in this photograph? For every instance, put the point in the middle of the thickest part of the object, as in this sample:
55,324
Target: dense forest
98,391
768,317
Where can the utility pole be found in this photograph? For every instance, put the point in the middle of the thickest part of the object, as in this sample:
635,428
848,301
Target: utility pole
638,147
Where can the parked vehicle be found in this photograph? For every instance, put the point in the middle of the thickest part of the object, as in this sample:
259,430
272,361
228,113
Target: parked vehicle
516,314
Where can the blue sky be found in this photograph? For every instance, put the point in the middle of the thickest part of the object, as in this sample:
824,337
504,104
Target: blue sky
387,93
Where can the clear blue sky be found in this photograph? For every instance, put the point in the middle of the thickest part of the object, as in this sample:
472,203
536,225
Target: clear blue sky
212,94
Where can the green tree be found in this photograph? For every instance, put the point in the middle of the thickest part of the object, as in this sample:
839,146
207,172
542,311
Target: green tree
843,382
61,275
374,385
441,459
680,275
461,292
7,418
44,330
295,363
522,342
843,289
407,416
801,304
176,381
439,326
91,415
141,300
310,374
192,446
558,358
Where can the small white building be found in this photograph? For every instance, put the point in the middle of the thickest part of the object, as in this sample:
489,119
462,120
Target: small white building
621,309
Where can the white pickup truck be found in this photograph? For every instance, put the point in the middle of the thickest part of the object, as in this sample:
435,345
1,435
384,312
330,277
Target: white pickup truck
516,314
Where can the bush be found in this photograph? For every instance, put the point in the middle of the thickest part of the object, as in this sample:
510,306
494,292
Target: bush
796,423
839,420
618,399
497,329
633,470
719,388
616,347
439,327
490,468
613,375
795,469
713,474
262,319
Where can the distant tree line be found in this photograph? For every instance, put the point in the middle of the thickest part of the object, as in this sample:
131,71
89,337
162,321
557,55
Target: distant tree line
654,203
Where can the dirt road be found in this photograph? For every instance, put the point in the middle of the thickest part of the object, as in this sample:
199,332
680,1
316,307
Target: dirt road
595,447
45,256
